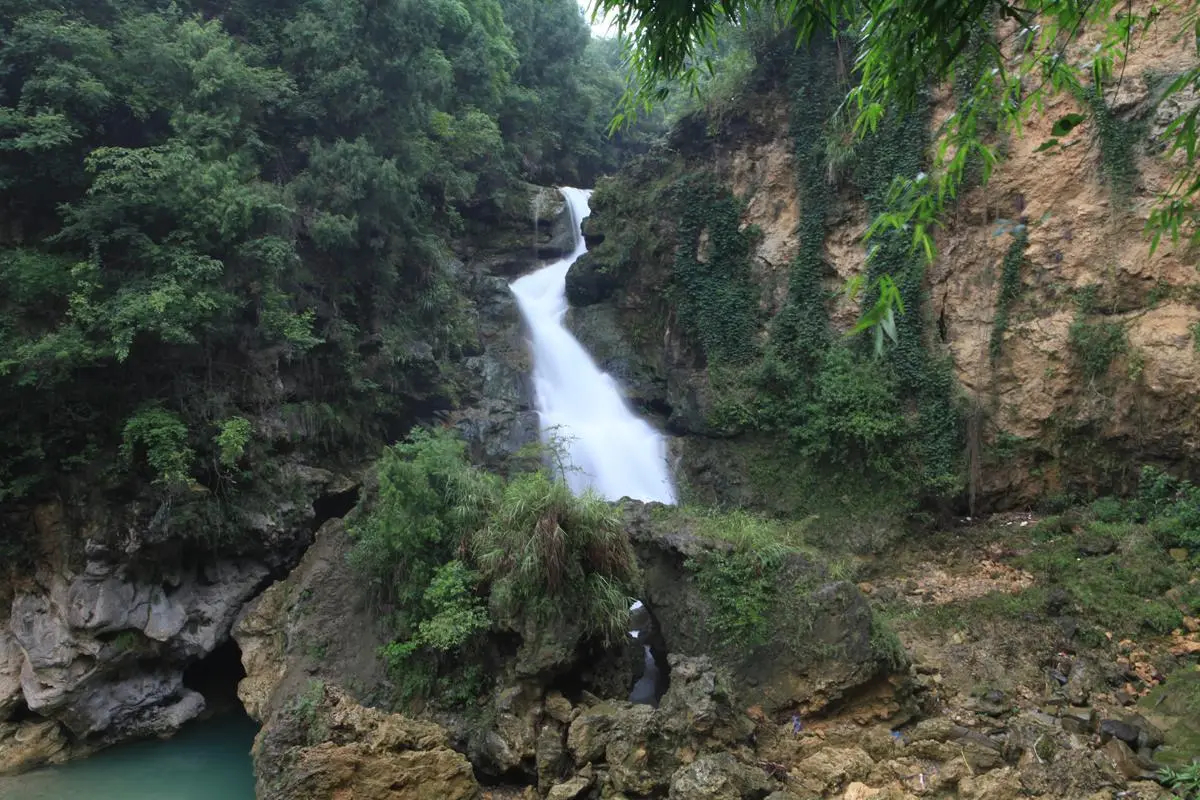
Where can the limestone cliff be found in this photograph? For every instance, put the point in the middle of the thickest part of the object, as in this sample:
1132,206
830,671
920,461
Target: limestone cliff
1045,414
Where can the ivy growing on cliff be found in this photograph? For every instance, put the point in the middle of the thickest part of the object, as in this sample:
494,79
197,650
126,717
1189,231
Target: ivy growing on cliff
800,333
897,148
711,275
1117,139
1010,288
847,413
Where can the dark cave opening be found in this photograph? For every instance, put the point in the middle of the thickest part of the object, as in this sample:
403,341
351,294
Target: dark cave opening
333,506
22,713
216,676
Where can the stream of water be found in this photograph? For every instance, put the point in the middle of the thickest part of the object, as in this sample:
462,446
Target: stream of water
610,448
208,760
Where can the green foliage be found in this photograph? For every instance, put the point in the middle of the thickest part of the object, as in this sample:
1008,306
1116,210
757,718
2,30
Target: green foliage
800,332
458,612
1171,507
886,644
1185,780
231,440
161,436
549,554
202,204
1125,592
1096,344
429,498
453,550
1010,288
711,276
1118,161
742,587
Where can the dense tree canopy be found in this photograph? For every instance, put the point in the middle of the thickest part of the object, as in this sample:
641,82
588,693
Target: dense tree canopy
213,212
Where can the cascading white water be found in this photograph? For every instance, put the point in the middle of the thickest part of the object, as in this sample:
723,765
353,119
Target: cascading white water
612,450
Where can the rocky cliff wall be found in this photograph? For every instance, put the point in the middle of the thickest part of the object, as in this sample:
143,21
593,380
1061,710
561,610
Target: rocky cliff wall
1087,368
128,587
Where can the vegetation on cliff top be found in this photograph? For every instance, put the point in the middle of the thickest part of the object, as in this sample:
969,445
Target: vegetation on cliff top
452,551
245,213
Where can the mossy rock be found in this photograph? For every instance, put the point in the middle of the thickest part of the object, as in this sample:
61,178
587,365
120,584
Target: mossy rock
590,280
1174,706
772,614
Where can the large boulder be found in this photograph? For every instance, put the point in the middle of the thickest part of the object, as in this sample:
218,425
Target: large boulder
327,747
316,624
718,776
821,645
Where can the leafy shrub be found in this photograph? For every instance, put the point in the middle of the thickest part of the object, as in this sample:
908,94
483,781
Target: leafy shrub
1171,506
854,409
231,440
428,500
163,437
1185,781
444,543
1109,509
741,588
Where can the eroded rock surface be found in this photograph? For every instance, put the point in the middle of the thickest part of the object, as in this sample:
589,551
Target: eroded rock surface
1045,425
85,639
330,748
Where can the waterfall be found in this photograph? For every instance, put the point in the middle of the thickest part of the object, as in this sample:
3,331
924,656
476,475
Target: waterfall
611,449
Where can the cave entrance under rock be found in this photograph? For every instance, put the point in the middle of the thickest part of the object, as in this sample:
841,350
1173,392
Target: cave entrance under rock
333,505
216,676
654,676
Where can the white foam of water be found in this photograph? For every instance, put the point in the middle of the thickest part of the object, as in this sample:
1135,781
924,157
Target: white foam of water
614,451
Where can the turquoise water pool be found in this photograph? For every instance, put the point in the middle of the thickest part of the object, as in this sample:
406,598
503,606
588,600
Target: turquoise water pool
207,760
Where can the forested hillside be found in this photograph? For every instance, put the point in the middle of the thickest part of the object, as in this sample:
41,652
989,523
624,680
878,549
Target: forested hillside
229,228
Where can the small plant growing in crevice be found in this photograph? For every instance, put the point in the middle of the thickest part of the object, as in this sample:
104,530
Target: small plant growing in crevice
1096,344
1185,781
